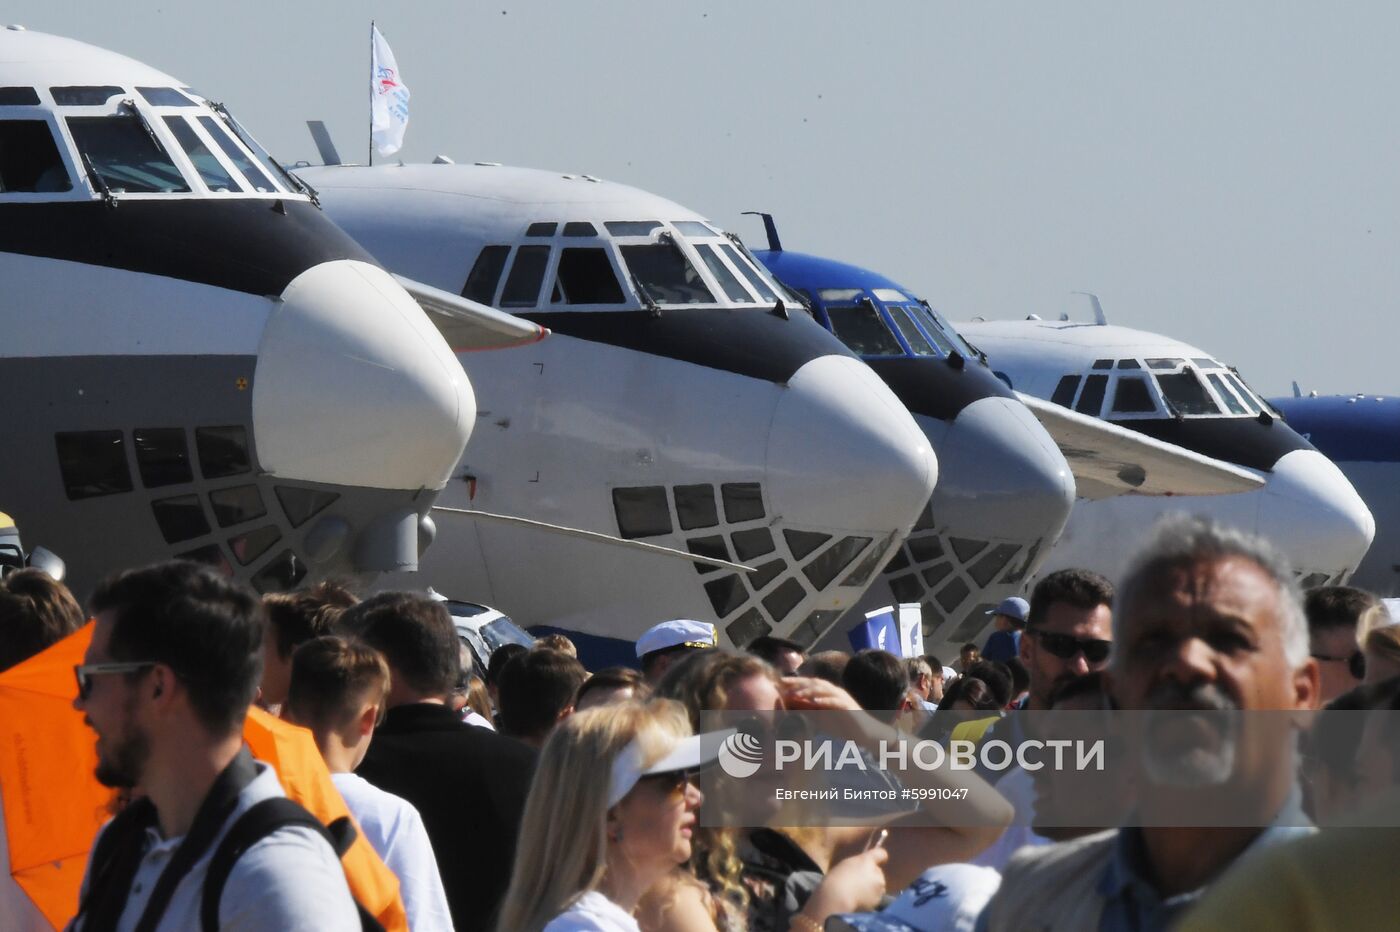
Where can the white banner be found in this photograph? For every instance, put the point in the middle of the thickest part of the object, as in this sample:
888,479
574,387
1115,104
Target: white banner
388,97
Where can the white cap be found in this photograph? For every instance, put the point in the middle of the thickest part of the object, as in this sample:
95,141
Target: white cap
690,753
946,898
682,632
949,673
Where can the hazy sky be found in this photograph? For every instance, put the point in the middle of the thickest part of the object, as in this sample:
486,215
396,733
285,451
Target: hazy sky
1228,174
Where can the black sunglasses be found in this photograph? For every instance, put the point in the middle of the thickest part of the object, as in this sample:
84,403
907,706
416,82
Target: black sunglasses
673,782
1066,646
1356,663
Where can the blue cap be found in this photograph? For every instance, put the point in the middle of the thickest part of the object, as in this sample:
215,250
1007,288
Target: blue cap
682,632
1014,607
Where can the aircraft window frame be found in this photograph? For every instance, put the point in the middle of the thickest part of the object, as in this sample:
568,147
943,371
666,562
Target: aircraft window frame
899,352
1102,364
631,228
539,277
164,97
85,95
956,343
1092,395
1066,390
1204,364
1227,395
728,282
839,294
284,181
757,283
1176,405
889,295
541,228
690,228
1152,409
608,258
1247,394
696,285
242,160
579,228
93,463
1129,364
176,124
78,125
59,154
924,347
484,294
1164,363
751,264
19,97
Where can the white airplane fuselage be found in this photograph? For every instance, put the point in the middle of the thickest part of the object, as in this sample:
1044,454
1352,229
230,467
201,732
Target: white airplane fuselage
1177,393
197,362
673,404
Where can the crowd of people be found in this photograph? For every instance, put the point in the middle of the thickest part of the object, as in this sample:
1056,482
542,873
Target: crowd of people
537,795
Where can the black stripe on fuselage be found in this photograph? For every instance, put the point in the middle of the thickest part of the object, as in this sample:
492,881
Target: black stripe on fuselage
752,342
1243,441
932,388
241,244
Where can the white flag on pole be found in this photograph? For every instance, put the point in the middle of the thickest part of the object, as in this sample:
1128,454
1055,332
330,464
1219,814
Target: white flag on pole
388,97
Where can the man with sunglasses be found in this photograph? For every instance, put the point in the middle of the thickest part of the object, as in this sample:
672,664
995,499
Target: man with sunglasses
1069,632
174,663
1333,613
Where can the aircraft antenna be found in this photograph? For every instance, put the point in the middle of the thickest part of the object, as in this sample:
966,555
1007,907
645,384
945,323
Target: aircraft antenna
1297,392
324,146
769,227
1099,317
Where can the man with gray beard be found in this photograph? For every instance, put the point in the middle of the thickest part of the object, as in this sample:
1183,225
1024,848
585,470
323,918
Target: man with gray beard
1208,628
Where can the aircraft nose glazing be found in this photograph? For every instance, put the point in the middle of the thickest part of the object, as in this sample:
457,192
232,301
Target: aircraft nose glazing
1001,475
1313,512
844,454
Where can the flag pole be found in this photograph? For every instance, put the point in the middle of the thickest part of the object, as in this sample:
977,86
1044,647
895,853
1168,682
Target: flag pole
371,93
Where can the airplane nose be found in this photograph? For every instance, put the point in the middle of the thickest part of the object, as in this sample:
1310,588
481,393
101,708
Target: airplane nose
1001,475
355,388
844,454
1312,511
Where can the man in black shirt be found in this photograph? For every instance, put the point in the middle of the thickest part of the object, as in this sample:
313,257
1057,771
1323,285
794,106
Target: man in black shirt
469,784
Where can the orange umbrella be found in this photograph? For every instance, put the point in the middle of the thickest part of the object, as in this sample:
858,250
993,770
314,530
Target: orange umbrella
54,805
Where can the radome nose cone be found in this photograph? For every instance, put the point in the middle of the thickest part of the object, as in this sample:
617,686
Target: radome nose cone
844,454
1312,511
355,387
1001,476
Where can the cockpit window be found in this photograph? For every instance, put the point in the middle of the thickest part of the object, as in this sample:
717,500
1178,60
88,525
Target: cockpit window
721,272
1165,363
125,155
1103,364
1206,364
579,228
485,274
84,96
759,283
211,170
889,294
632,227
541,229
1091,399
911,333
1250,399
694,228
275,169
839,294
948,339
1129,364
665,275
240,159
1184,392
29,159
1131,396
863,329
586,276
18,97
526,273
165,97
1226,395
1064,391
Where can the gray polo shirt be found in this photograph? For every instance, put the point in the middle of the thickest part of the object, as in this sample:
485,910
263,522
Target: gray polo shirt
290,881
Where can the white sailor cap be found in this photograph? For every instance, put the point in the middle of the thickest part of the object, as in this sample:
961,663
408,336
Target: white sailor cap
682,632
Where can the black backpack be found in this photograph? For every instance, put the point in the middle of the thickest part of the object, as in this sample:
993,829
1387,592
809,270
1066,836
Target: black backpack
261,820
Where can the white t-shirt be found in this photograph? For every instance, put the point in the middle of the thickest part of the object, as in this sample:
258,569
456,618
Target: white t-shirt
395,830
593,912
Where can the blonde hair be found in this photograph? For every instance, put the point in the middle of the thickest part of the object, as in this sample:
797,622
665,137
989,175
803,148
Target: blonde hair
562,851
1383,640
1372,619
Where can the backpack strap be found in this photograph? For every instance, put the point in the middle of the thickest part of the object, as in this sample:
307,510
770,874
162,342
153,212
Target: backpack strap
260,821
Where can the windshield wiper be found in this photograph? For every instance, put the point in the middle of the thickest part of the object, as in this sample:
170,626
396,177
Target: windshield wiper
99,182
644,295
136,112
